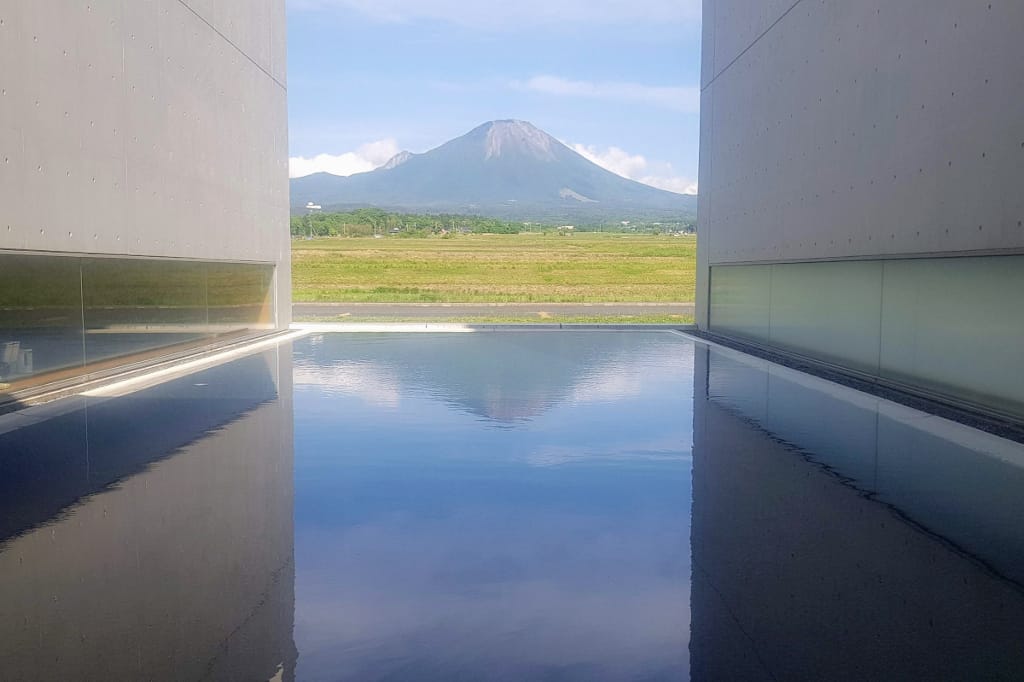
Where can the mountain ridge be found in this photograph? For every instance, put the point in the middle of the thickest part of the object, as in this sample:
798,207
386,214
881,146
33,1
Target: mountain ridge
505,168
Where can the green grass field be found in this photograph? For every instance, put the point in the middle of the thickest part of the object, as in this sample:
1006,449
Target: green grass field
496,268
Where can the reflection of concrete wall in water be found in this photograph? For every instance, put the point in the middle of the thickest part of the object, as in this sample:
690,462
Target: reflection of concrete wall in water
182,571
797,575
859,181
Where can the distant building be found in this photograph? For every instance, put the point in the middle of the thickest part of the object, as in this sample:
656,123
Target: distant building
860,181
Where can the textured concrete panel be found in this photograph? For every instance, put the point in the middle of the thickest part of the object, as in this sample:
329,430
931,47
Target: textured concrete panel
864,129
736,25
868,131
145,128
704,209
258,32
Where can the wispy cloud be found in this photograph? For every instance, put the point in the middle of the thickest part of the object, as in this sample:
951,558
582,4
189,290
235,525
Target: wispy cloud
365,158
513,14
637,167
373,383
682,99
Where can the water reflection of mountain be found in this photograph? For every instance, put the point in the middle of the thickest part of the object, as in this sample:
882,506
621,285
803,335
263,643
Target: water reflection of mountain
505,378
150,536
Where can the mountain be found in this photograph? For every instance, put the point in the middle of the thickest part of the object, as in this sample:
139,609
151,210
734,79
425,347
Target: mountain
397,160
508,169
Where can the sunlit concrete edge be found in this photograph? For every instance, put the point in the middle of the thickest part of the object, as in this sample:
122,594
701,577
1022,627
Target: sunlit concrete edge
964,435
159,376
461,328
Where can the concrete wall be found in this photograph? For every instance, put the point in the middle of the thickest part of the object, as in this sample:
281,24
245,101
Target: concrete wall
839,131
154,128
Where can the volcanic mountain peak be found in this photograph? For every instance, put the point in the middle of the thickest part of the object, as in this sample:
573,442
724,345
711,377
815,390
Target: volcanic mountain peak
503,168
504,137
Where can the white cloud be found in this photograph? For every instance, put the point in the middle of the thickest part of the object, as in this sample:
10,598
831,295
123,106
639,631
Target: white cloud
373,383
679,185
616,160
511,14
684,99
365,158
667,450
372,155
637,167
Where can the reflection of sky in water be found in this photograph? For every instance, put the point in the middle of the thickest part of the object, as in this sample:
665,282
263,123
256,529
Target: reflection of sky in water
431,544
506,506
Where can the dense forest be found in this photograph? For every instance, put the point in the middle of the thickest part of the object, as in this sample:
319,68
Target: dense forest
366,222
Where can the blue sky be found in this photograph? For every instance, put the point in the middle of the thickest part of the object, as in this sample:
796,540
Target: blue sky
615,79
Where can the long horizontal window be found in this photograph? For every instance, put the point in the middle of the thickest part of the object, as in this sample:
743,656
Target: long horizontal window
63,315
949,325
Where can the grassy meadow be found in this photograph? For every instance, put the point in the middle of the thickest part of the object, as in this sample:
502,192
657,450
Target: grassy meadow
586,267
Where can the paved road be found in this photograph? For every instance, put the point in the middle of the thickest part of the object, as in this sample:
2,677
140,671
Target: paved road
428,311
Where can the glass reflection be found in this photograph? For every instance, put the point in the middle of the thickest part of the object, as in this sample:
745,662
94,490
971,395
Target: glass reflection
431,545
548,520
136,305
40,317
61,316
239,294
150,536
836,535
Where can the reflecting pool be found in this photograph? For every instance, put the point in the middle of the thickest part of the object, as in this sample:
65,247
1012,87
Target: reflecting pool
484,506
505,506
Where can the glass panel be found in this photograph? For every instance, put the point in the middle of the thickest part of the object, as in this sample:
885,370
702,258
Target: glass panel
240,295
950,325
59,314
956,325
829,310
40,318
740,300
138,305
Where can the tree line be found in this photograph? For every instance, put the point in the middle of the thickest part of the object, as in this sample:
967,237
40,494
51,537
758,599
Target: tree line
366,222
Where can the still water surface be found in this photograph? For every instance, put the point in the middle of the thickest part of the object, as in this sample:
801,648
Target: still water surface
506,506
571,505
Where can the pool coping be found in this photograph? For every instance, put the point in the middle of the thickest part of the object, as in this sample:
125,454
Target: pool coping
469,327
936,405
134,377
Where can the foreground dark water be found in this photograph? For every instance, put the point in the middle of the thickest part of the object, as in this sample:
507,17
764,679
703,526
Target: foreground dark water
505,506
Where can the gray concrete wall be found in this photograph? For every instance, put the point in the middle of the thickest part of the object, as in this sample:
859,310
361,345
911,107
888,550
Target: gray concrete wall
850,130
862,131
154,128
